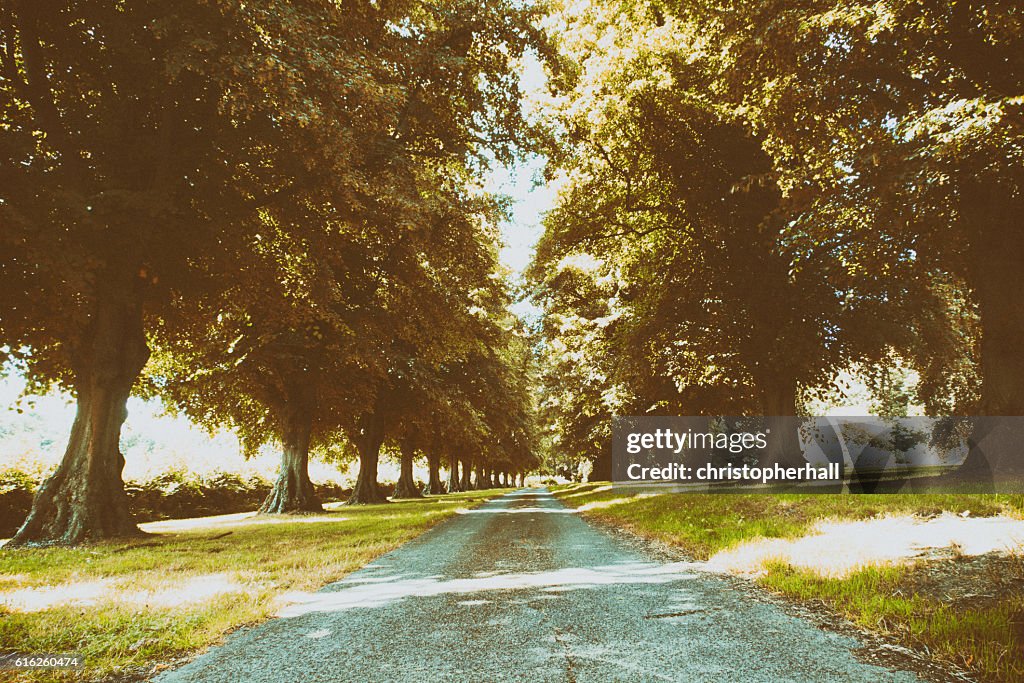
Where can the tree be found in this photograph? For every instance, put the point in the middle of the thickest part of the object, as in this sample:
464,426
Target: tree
149,151
290,338
579,391
917,106
461,107
724,294
444,272
140,144
475,397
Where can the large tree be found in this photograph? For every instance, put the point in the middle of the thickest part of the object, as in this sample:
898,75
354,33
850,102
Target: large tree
917,107
724,296
151,148
141,143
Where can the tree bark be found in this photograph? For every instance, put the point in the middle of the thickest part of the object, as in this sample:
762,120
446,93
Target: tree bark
997,274
778,400
522,480
453,475
602,469
478,481
85,498
406,486
464,483
368,443
434,485
993,218
293,491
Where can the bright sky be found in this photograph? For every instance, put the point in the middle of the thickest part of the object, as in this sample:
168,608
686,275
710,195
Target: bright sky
530,201
531,198
521,232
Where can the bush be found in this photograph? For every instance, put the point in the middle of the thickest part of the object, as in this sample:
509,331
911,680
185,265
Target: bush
16,491
331,491
178,493
174,494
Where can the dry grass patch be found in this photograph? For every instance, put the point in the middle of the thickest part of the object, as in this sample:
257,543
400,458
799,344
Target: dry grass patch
128,606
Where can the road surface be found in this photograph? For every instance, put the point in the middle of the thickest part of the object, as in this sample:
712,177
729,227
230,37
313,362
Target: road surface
522,589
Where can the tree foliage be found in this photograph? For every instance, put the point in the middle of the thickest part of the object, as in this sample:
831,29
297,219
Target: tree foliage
274,197
770,192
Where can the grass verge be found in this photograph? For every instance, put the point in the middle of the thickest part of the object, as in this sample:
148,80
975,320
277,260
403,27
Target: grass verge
138,605
969,612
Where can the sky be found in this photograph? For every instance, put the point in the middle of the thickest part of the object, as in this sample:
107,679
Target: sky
520,233
530,201
523,181
531,198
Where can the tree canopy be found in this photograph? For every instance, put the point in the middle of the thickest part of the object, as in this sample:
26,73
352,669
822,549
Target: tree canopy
759,195
276,199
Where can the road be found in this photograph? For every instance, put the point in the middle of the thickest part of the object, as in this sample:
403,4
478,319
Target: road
523,589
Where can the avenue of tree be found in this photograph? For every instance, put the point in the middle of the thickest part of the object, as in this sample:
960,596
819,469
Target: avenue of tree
267,214
758,195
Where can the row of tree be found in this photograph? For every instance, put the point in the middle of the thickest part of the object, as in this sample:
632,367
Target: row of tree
266,214
759,195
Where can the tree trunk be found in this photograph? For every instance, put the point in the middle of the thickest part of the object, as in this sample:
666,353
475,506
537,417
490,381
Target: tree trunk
453,475
997,251
368,443
85,498
522,479
602,469
778,400
406,486
993,217
293,491
464,483
434,486
478,481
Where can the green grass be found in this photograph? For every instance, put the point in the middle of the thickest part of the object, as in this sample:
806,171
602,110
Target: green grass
905,602
985,639
704,523
266,560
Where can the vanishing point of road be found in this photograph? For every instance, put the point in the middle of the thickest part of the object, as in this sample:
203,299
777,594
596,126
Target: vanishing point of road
523,589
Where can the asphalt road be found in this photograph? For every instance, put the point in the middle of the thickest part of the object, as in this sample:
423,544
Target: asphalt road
522,589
